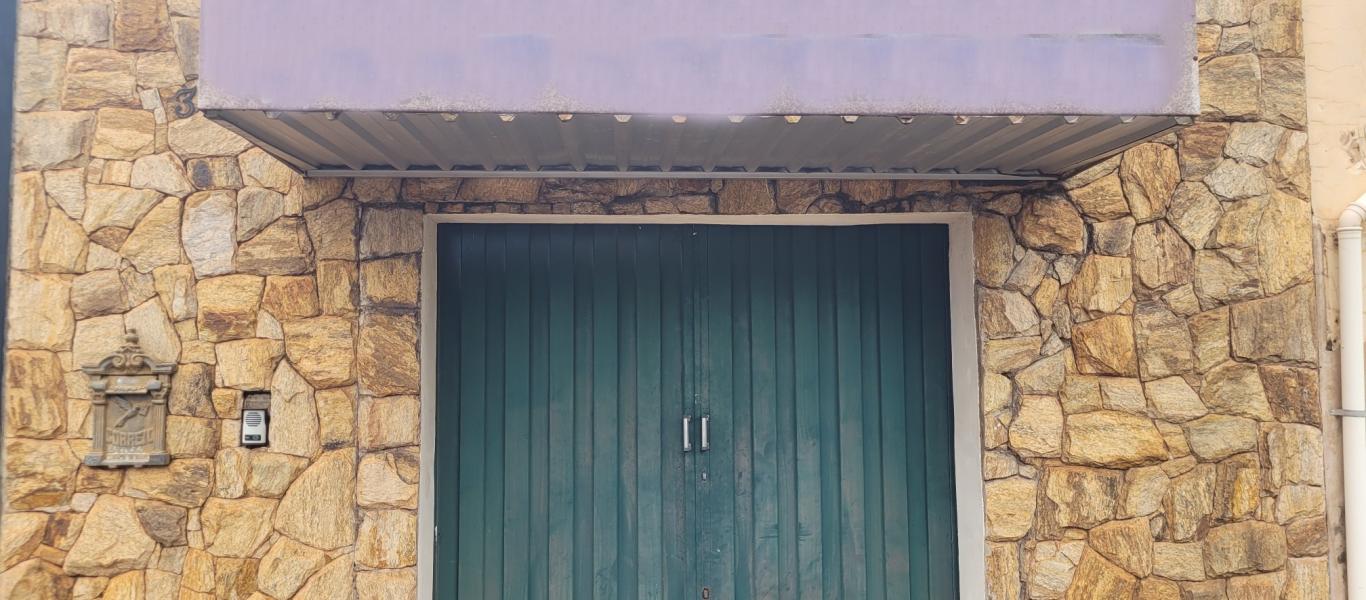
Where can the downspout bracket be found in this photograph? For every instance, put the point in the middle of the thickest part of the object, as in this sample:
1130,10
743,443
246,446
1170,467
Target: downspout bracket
1339,412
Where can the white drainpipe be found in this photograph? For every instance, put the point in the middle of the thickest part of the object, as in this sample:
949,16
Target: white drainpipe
1353,412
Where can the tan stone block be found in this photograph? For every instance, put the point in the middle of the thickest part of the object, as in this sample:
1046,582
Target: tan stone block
1307,537
388,584
40,65
321,349
191,437
1036,430
1149,173
390,231
1113,238
337,287
755,197
1096,577
285,568
1284,244
1182,562
159,70
1052,566
1236,389
208,232
123,134
381,482
257,208
1210,337
1127,543
1158,589
332,229
197,137
1102,199
263,170
1105,346
111,542
1144,490
51,139
1238,486
247,364
271,473
35,395
994,247
231,467
1298,501
1103,284
63,245
236,528
389,422
386,354
1306,578
1245,547
1010,508
1293,393
155,241
1003,314
1045,376
1174,400
97,78
387,539
161,172
198,572
1163,341
142,25
1216,437
293,414
283,248
228,305
333,581
1051,224
1283,93
318,509
1189,502
392,281
214,172
1229,86
1296,454
28,221
1162,258
48,329
307,193
234,577
1078,497
35,579
1194,212
1003,356
38,473
185,482
1112,439
162,522
22,534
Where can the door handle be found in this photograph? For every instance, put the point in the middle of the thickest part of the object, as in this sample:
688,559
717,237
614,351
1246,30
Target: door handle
687,433
706,433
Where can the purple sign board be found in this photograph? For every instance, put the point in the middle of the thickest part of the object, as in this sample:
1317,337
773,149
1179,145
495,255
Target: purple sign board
704,57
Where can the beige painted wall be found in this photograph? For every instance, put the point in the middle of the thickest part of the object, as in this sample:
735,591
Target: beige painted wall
1335,69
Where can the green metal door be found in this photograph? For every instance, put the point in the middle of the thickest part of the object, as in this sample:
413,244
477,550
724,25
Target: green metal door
810,366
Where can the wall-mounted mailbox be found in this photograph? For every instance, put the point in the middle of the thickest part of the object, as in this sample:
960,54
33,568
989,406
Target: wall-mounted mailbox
128,405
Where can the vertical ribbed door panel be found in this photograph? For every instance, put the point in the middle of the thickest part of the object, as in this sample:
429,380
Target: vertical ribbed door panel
825,371
561,379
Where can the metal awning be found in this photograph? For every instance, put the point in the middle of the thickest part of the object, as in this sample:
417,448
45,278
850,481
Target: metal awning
974,89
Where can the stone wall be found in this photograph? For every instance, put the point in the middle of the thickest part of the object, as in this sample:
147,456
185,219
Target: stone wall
1150,413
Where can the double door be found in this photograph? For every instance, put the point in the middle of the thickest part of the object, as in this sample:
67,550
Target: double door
694,412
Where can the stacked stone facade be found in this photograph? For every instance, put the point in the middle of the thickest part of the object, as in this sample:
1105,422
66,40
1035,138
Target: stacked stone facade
1151,423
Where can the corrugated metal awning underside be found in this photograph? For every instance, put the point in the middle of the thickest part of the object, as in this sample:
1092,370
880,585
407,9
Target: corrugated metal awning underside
426,144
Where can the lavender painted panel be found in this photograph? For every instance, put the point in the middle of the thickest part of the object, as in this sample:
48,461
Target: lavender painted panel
703,56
